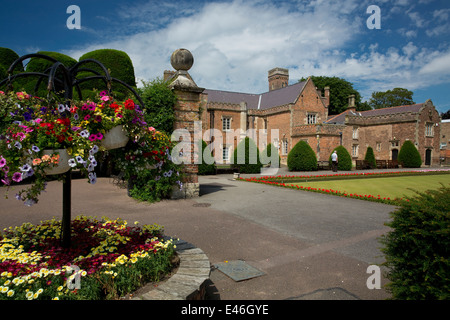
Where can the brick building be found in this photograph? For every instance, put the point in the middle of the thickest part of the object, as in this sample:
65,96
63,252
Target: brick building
286,114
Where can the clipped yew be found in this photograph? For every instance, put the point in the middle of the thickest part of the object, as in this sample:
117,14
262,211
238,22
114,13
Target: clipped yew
409,156
302,158
344,158
370,157
246,158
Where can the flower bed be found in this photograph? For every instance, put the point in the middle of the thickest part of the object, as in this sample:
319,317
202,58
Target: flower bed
279,181
108,260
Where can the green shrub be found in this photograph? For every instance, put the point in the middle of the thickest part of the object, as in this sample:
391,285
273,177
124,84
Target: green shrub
246,157
159,102
267,155
205,168
119,65
302,158
409,156
7,57
370,157
42,65
417,249
344,158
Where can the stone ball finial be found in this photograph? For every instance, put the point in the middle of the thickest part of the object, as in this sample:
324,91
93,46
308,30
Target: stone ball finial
182,59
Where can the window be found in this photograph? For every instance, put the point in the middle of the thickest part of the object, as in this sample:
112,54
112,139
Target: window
429,130
226,154
285,147
394,144
312,118
355,149
226,124
355,133
378,146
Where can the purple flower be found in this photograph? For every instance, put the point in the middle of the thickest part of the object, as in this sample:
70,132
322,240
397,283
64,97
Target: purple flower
25,168
2,162
99,136
17,177
35,149
27,116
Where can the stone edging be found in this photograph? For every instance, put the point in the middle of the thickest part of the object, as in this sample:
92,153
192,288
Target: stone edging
189,283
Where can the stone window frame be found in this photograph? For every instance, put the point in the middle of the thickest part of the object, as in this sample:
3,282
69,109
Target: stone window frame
429,129
379,146
226,148
226,123
284,147
355,133
355,150
311,117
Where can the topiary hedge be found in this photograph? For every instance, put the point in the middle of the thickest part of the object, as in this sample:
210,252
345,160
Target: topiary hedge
267,153
246,157
205,167
409,156
119,65
417,249
344,159
7,57
370,157
41,65
302,158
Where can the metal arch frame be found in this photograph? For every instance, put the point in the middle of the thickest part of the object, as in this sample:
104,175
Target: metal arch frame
69,82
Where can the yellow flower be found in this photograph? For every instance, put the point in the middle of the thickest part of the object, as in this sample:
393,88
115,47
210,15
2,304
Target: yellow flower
60,288
10,293
4,289
29,295
55,298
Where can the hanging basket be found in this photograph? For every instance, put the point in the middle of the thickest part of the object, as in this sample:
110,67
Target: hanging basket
115,138
63,163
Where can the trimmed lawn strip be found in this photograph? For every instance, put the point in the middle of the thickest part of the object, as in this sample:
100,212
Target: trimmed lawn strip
290,182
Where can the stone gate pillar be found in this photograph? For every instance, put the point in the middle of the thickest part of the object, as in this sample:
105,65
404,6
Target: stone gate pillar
187,111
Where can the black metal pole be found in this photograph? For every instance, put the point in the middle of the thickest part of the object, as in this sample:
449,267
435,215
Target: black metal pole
66,218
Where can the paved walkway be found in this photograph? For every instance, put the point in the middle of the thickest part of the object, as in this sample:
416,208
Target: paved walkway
309,245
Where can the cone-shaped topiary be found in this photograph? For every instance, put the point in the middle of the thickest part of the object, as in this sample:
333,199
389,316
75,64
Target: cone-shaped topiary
344,158
246,157
409,156
266,156
207,165
370,157
302,158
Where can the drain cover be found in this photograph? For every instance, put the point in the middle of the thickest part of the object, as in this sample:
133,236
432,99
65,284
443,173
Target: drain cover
204,205
238,270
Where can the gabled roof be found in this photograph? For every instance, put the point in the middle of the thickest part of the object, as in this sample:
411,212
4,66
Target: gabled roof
340,118
262,101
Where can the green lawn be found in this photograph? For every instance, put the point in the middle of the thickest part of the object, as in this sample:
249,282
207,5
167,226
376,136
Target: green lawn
396,187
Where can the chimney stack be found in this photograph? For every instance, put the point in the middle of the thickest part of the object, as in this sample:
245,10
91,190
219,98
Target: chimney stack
351,103
278,78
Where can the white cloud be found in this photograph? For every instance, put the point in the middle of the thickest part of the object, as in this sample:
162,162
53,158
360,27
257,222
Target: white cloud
235,43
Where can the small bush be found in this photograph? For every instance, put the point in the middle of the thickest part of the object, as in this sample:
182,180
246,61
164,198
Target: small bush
344,159
7,57
205,168
302,158
246,157
409,156
370,157
267,153
418,249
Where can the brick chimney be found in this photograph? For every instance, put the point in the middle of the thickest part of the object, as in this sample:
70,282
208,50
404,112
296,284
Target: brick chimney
278,78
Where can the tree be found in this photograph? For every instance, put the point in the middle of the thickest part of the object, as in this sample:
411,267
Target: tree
267,153
206,167
409,156
340,90
302,158
370,157
159,101
344,159
391,98
445,115
246,157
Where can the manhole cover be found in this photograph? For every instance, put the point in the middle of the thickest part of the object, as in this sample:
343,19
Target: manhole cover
204,205
238,270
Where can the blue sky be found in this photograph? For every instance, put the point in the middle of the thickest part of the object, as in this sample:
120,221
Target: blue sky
235,43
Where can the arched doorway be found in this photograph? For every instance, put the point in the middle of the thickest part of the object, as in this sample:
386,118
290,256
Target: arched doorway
394,154
428,157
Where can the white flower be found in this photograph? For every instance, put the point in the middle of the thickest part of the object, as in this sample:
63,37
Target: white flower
72,163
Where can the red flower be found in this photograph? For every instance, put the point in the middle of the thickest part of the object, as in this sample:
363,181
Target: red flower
129,104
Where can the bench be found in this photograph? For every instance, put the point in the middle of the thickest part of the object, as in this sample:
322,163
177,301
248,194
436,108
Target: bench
323,165
382,164
392,164
363,164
